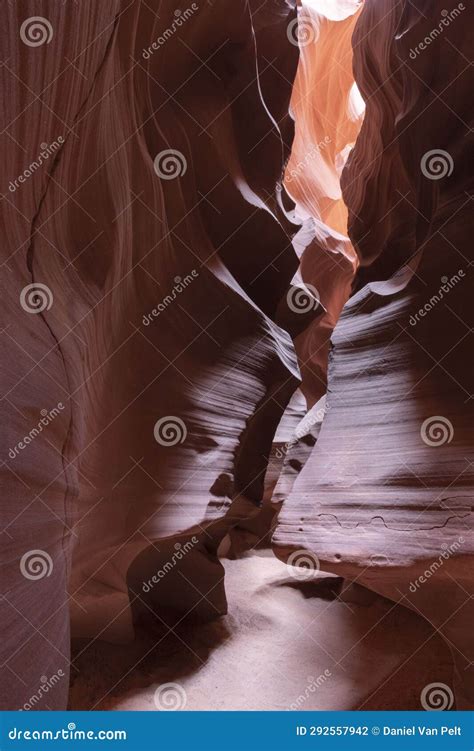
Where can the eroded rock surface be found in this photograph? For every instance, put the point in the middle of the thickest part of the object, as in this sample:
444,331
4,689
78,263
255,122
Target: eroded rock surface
386,496
158,248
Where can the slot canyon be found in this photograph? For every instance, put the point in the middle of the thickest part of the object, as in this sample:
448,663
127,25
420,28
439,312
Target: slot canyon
237,355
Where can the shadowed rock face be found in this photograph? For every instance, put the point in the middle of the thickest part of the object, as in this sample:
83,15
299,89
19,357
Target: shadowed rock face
386,495
156,240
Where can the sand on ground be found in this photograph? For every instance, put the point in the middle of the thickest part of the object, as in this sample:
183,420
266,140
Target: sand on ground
285,644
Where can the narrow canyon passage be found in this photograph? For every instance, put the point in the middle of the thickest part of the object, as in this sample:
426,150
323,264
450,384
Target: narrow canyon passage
237,355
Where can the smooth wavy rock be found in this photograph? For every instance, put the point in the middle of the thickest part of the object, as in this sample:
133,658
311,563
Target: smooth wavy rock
386,496
326,127
159,247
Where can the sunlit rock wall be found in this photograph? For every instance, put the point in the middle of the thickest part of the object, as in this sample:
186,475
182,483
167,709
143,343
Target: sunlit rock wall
386,495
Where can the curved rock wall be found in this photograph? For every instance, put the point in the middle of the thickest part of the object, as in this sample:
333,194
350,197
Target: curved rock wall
326,127
146,249
386,496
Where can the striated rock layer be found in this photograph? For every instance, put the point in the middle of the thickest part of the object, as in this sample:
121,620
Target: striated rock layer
326,126
386,495
325,130
157,242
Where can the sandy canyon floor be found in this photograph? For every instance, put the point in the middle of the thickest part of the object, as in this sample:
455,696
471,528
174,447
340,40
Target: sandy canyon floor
285,644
